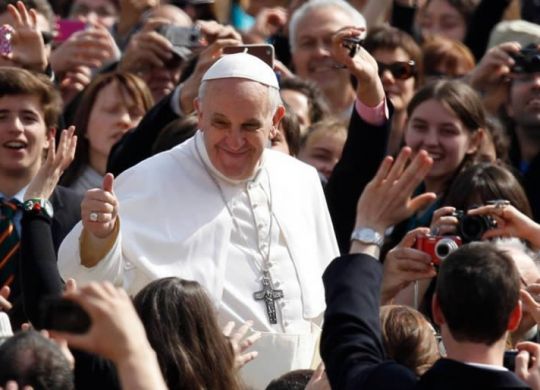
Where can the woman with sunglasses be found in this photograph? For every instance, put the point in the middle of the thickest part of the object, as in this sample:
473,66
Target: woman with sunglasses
399,61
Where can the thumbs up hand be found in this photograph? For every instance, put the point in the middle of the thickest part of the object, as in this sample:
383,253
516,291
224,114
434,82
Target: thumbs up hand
99,209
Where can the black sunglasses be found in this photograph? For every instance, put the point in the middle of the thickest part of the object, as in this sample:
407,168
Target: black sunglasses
401,70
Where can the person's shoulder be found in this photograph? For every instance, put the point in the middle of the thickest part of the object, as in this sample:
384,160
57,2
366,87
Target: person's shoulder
173,158
62,195
292,164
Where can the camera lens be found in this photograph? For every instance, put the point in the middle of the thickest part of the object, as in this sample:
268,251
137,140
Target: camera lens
472,228
444,247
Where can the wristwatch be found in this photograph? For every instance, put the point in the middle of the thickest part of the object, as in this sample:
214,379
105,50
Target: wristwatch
367,236
39,205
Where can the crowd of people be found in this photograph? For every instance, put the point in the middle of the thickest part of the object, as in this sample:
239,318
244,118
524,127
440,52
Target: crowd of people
269,194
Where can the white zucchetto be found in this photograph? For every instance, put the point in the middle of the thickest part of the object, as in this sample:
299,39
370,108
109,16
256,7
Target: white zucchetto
242,65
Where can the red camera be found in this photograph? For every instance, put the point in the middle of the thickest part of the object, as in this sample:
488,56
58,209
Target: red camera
438,247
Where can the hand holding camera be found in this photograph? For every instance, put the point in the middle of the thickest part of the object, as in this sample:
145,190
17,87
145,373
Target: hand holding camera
404,264
92,47
510,222
23,43
495,66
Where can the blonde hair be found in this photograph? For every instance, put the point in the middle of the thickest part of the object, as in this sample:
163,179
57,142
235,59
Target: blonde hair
408,338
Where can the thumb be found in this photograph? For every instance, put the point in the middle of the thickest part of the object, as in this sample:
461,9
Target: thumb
5,291
410,238
108,181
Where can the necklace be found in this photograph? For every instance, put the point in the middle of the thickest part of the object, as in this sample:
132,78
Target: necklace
268,293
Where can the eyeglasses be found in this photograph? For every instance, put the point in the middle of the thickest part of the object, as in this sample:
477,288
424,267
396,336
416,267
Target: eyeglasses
401,70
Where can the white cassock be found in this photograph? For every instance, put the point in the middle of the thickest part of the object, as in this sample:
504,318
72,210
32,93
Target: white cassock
174,222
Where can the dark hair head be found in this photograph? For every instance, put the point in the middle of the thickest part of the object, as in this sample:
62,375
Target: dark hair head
291,129
128,83
408,338
482,182
465,8
477,289
18,81
457,96
391,38
293,380
318,107
446,57
175,133
30,359
182,328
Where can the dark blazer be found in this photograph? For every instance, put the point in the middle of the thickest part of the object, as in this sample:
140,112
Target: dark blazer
364,150
351,343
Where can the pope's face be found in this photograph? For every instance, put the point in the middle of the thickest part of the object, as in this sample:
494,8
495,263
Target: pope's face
236,121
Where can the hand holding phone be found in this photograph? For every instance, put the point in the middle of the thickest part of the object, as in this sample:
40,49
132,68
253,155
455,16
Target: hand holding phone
264,52
64,315
6,35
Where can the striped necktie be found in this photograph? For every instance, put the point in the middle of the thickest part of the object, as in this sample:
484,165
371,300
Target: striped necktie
9,240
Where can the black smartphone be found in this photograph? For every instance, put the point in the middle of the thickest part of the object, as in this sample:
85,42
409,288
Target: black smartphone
263,51
64,315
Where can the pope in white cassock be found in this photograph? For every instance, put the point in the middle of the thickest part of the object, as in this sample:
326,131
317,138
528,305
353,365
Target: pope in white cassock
248,223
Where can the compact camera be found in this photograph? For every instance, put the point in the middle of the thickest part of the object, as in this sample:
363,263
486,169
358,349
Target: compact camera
438,247
527,60
472,227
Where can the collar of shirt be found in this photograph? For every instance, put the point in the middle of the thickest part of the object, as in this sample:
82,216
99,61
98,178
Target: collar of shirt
201,147
492,367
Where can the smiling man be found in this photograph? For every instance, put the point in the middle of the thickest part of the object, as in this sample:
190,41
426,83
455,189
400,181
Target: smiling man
248,223
29,110
311,29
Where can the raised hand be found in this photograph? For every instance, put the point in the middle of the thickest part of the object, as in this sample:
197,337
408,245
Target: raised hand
360,64
387,199
91,48
240,343
58,159
99,209
218,37
267,23
28,48
147,49
116,333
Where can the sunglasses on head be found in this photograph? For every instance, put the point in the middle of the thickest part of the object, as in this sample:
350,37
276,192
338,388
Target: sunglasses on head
401,70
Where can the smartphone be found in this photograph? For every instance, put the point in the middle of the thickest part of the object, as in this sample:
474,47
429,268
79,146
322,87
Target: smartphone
66,28
64,315
263,51
509,360
6,34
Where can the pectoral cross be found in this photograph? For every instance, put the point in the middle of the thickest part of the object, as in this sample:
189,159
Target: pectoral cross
269,295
